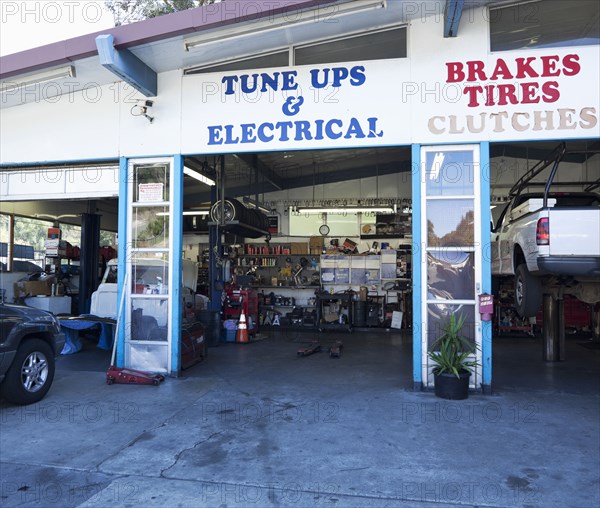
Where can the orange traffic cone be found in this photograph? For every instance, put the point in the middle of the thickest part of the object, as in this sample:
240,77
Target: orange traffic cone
242,331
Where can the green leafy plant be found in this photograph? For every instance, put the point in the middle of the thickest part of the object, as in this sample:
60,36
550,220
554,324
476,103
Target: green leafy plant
451,351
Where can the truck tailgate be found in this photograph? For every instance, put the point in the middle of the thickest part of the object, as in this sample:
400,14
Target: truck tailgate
574,231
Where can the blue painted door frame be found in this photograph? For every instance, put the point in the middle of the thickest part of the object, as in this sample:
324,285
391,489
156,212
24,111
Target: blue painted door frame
175,257
418,257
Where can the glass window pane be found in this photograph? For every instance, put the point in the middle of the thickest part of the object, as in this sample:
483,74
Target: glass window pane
375,46
149,318
281,59
150,274
449,173
150,227
450,223
545,24
149,357
450,275
151,183
438,316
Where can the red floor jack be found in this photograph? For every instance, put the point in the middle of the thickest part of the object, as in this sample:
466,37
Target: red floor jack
335,351
125,376
315,347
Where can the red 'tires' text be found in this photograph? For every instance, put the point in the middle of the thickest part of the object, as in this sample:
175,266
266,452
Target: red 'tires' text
526,92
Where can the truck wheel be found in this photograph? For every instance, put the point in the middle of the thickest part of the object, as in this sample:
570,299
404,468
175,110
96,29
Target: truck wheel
528,292
31,373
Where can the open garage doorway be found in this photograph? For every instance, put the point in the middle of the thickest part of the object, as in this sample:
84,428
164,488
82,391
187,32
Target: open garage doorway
334,260
548,353
58,233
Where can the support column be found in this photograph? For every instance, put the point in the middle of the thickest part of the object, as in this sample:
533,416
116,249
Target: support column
486,265
560,323
175,255
122,258
214,275
88,276
10,247
417,259
553,329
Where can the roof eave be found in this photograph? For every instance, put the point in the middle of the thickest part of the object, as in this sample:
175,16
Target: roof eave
150,30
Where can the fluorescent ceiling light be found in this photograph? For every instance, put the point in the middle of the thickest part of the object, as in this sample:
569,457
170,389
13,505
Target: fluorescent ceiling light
346,209
43,77
202,213
257,205
187,212
198,176
284,22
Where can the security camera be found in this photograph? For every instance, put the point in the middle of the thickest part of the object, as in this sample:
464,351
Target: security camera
141,109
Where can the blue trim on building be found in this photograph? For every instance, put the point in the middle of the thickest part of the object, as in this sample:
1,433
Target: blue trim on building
486,261
126,66
452,15
122,257
416,266
175,257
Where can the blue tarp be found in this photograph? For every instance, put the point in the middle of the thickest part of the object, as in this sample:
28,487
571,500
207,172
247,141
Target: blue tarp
71,327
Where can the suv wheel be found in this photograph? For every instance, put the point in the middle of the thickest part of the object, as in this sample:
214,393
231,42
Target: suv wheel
29,377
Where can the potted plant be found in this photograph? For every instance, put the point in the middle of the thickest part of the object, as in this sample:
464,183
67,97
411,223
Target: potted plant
451,353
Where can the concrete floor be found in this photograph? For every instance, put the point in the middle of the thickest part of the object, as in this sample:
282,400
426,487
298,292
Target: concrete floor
256,426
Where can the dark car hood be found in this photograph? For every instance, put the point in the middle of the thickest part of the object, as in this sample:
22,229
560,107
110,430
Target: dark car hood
28,313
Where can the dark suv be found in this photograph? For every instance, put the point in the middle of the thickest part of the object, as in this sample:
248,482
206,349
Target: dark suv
29,341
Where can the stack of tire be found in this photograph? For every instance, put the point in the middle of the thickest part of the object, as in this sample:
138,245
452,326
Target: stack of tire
246,222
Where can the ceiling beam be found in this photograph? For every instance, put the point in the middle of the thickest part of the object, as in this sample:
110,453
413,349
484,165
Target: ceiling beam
321,179
128,67
523,151
265,171
452,15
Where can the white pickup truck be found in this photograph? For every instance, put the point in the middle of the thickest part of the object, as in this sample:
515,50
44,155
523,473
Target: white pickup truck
151,277
550,243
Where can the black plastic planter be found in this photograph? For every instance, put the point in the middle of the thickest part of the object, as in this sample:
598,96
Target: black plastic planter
448,386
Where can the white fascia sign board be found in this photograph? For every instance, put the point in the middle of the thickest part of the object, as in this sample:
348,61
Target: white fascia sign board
307,107
534,94
59,183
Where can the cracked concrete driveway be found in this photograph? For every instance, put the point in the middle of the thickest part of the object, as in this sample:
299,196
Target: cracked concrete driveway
256,426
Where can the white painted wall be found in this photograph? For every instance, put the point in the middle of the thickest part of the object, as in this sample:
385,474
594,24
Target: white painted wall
411,99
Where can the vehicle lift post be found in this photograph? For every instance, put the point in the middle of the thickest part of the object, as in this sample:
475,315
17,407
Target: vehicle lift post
553,328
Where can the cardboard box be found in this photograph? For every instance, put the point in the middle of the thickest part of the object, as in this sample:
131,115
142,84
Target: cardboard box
31,288
299,248
315,244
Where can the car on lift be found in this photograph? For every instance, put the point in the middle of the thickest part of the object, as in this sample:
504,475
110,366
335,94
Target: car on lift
548,241
30,339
